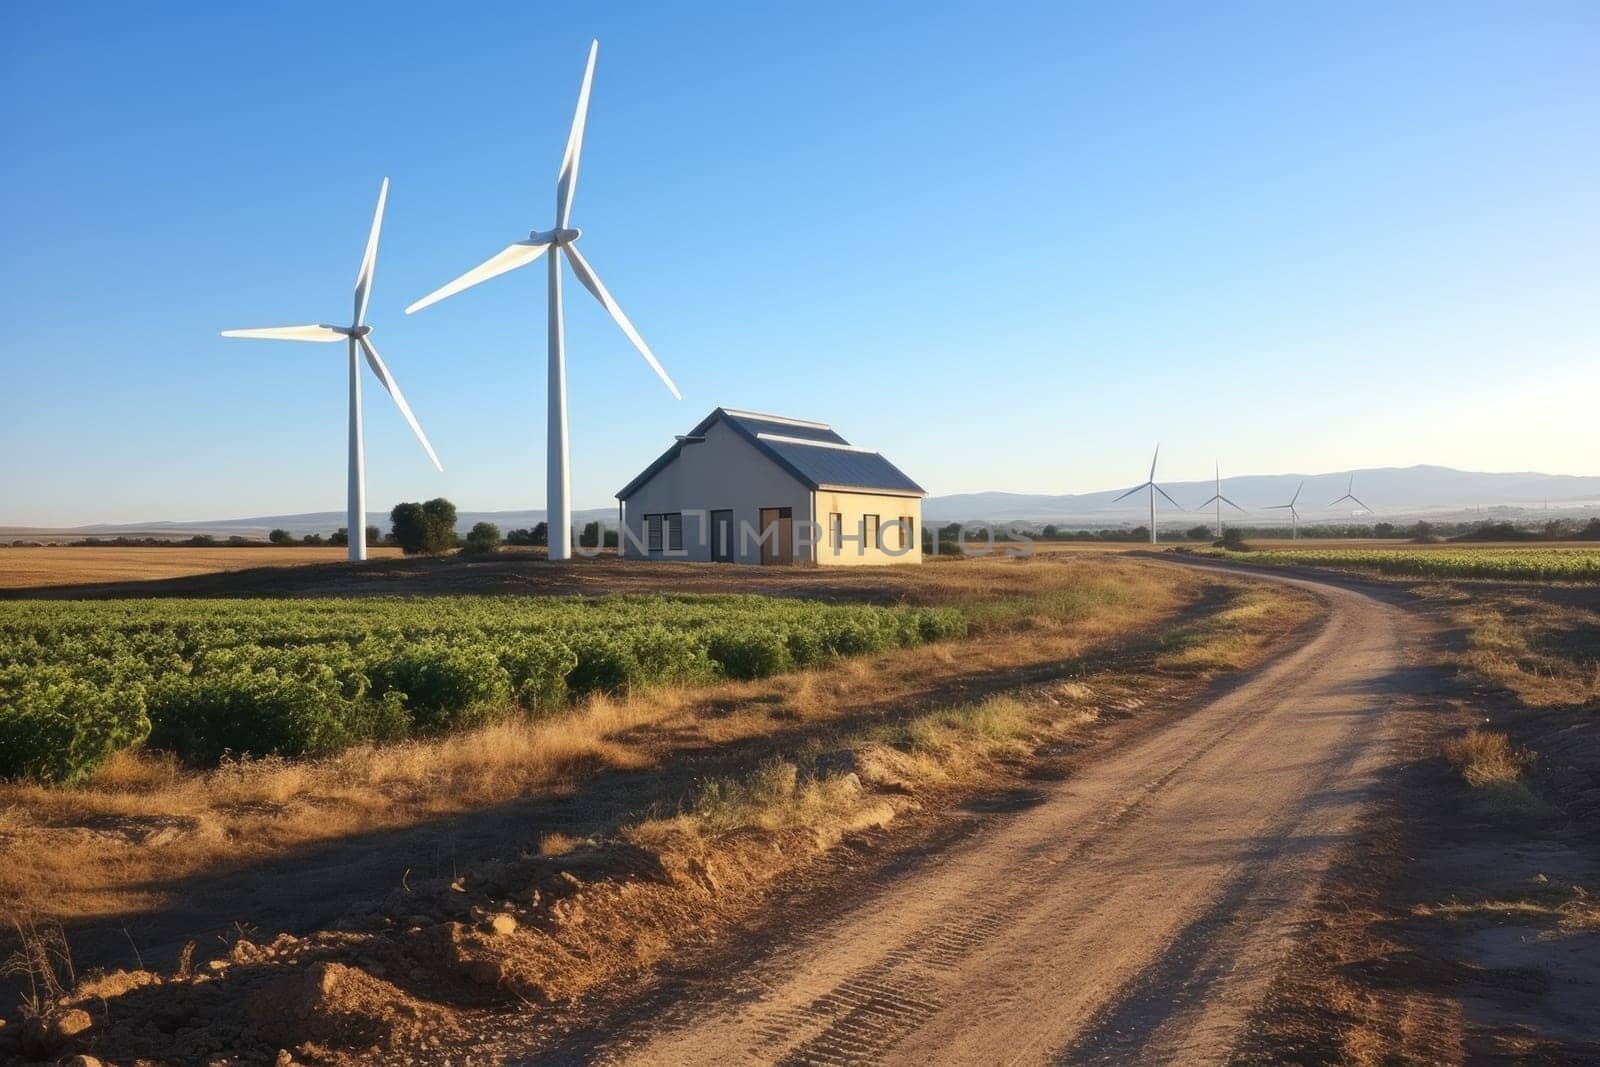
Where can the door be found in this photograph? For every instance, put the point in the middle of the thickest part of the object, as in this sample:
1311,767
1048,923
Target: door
722,537
779,548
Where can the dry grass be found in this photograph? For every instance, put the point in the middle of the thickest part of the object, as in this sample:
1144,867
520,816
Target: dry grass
1545,652
143,821
1234,637
22,568
1485,758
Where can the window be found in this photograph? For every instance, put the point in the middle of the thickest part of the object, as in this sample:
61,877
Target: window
652,533
836,532
674,531
871,532
908,532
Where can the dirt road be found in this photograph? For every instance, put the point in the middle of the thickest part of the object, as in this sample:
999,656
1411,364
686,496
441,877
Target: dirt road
1135,914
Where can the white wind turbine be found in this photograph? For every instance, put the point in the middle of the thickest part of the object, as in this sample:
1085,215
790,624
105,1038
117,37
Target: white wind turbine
1294,516
1220,500
356,334
1349,494
1150,484
558,513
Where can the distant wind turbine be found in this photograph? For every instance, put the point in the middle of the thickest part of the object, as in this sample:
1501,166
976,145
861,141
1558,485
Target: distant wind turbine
1294,516
1218,499
1150,484
356,334
558,512
1349,494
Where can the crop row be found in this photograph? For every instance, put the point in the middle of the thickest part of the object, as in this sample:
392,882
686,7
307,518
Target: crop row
1546,564
205,679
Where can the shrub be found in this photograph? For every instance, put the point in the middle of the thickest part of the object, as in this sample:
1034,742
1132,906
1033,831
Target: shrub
751,653
483,537
281,537
605,664
340,537
256,713
446,686
538,667
57,730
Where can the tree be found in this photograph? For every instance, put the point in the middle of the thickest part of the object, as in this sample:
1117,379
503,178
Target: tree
593,535
539,535
424,528
341,536
281,537
1233,540
374,536
483,537
311,539
1198,533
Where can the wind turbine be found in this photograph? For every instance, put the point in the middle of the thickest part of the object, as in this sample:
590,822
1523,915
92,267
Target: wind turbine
1218,499
356,334
1349,494
558,512
1294,516
1150,484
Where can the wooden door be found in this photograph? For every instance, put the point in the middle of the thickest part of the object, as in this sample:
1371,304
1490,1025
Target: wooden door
779,549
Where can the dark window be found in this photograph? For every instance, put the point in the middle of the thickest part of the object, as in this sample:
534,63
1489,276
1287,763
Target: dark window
871,536
675,531
836,531
652,533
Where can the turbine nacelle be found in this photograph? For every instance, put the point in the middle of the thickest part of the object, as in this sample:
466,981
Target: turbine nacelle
355,333
559,237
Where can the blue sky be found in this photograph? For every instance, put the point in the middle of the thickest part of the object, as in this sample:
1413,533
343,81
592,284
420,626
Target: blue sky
1011,250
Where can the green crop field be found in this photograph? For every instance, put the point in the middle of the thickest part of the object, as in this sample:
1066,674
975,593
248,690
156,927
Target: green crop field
205,679
1525,564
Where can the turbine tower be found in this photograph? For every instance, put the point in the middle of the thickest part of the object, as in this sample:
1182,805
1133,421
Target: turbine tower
1218,499
558,511
1294,516
1349,494
1150,484
356,334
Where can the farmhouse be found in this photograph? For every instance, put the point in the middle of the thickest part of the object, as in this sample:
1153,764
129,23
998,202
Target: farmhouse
743,487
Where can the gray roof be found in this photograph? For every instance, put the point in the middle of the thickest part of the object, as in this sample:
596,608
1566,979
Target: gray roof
842,468
810,451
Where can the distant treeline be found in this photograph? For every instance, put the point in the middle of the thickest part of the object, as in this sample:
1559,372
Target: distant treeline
1554,530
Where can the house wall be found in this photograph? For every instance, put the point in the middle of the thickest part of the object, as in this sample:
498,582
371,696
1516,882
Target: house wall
723,472
851,508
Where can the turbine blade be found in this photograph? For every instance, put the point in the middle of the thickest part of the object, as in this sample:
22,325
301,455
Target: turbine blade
567,182
320,334
1347,496
1296,496
1277,507
1231,504
375,361
1208,500
508,258
1171,501
1153,462
591,281
1130,492
369,258
1357,499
